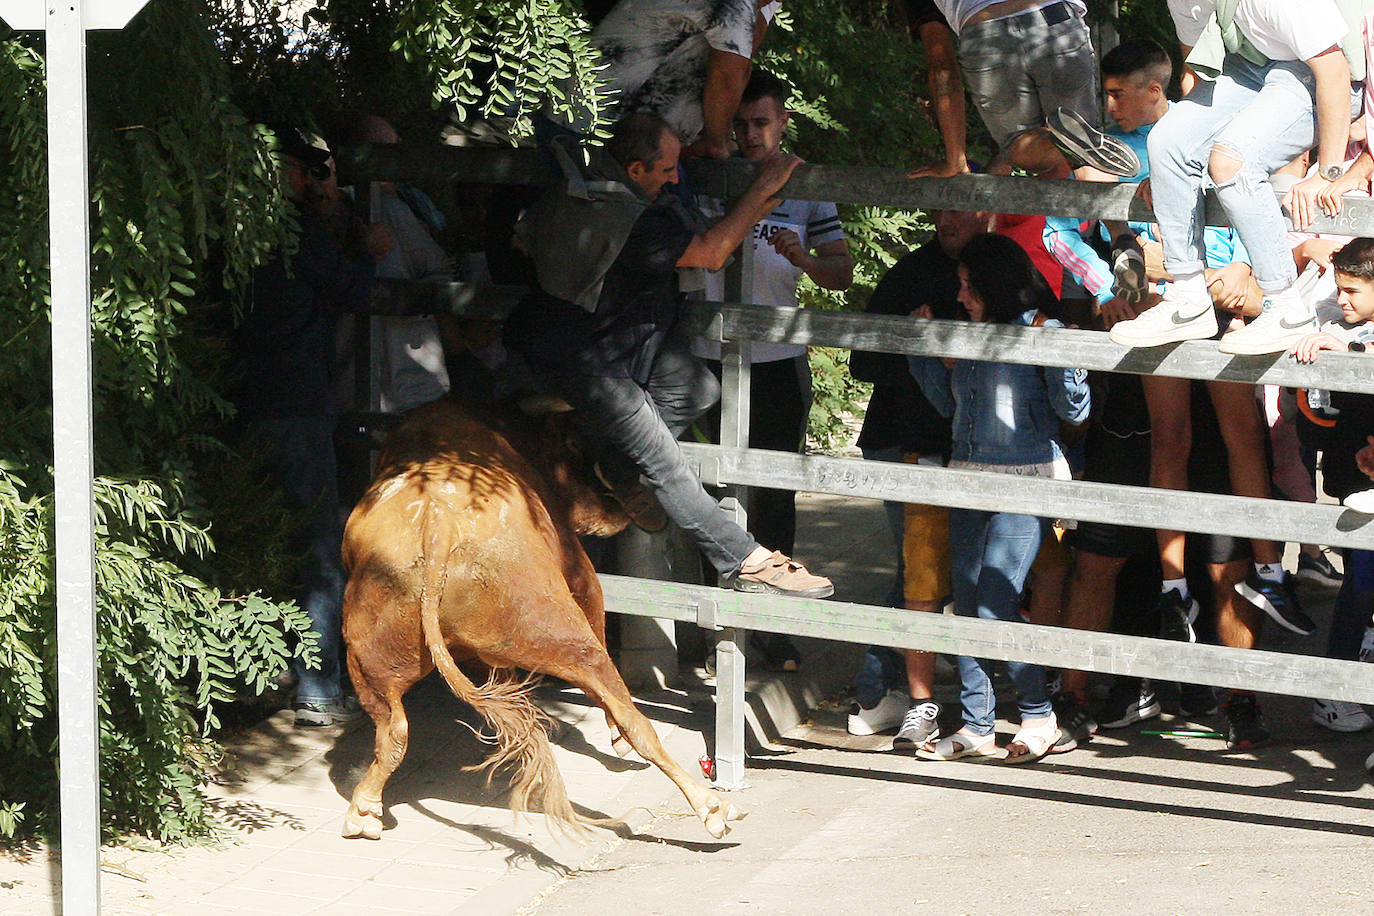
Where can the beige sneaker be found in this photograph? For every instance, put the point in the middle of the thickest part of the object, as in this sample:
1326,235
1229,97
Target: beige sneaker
777,574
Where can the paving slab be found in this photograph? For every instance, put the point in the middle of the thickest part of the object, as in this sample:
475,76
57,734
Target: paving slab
1131,822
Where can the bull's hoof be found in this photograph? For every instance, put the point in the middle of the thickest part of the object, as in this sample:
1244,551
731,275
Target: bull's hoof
368,826
718,817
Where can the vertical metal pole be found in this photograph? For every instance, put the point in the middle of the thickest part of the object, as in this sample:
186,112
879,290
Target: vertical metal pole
734,431
69,225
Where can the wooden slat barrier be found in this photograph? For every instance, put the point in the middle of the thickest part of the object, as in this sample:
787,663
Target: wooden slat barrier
1198,359
1145,507
1273,672
733,613
841,184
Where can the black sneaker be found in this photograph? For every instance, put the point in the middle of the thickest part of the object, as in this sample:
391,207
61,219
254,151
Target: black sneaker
1131,700
1318,570
1196,700
1074,716
1176,616
1245,726
1128,270
1083,144
1277,600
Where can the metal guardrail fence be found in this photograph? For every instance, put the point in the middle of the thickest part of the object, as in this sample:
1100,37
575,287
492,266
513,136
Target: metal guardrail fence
1254,669
731,613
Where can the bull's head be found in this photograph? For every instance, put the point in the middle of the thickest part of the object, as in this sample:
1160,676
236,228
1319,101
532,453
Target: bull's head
565,461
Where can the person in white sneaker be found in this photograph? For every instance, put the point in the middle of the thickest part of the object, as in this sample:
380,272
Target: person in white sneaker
1346,468
902,425
1266,80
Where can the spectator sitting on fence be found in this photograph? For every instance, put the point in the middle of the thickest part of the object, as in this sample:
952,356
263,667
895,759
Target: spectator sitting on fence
1266,81
1004,422
1342,429
900,424
1137,76
1023,59
685,60
799,238
600,331
280,355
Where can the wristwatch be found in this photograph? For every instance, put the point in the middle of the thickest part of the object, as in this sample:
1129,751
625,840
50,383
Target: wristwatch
1331,172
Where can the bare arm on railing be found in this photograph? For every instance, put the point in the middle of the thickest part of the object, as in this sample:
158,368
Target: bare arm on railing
1332,76
712,248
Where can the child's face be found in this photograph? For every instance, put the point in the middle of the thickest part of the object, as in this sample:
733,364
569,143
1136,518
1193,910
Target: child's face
969,298
1355,296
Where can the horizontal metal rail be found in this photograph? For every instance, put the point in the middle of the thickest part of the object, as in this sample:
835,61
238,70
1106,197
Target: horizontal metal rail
1196,359
1063,347
1109,653
841,184
1142,507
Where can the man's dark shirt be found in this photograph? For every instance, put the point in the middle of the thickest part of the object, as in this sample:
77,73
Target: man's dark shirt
280,353
635,311
898,413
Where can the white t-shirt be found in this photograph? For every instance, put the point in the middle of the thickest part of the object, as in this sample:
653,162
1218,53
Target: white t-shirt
1279,29
958,12
655,53
775,278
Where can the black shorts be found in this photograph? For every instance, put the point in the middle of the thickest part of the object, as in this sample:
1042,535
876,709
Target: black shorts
1116,459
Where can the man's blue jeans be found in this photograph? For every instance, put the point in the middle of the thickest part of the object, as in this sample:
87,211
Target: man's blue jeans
636,427
300,454
1262,117
990,557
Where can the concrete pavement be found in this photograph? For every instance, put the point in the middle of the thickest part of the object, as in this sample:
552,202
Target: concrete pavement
1145,824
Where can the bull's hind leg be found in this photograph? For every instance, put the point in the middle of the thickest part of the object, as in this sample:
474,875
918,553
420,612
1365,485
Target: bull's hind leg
383,703
599,679
586,591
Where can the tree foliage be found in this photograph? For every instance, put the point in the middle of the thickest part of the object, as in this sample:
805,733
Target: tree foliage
186,546
177,173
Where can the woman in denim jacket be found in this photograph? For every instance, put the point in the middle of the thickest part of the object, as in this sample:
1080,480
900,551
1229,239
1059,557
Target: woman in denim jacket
1006,420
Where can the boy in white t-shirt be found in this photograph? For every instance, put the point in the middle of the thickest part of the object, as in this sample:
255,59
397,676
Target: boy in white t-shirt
799,238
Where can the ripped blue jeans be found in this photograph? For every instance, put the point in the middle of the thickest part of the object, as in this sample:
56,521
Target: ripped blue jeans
1263,117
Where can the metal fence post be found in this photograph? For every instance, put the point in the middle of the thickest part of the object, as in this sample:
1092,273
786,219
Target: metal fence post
734,432
73,465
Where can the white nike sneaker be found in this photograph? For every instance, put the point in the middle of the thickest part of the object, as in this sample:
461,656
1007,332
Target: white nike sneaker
1360,501
1274,331
1175,317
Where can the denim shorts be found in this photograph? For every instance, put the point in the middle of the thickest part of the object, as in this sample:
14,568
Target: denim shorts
1021,68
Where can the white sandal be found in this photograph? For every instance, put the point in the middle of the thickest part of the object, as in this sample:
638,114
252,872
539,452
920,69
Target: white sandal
1038,741
960,744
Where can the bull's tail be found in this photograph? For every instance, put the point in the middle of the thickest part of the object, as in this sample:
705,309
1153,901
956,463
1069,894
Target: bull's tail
521,727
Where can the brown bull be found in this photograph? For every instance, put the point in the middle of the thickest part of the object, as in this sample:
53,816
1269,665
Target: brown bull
465,549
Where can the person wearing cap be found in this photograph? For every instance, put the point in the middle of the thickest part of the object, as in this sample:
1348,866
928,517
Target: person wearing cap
279,360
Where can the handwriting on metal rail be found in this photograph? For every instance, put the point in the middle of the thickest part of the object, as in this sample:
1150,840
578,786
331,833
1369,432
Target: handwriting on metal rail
852,479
